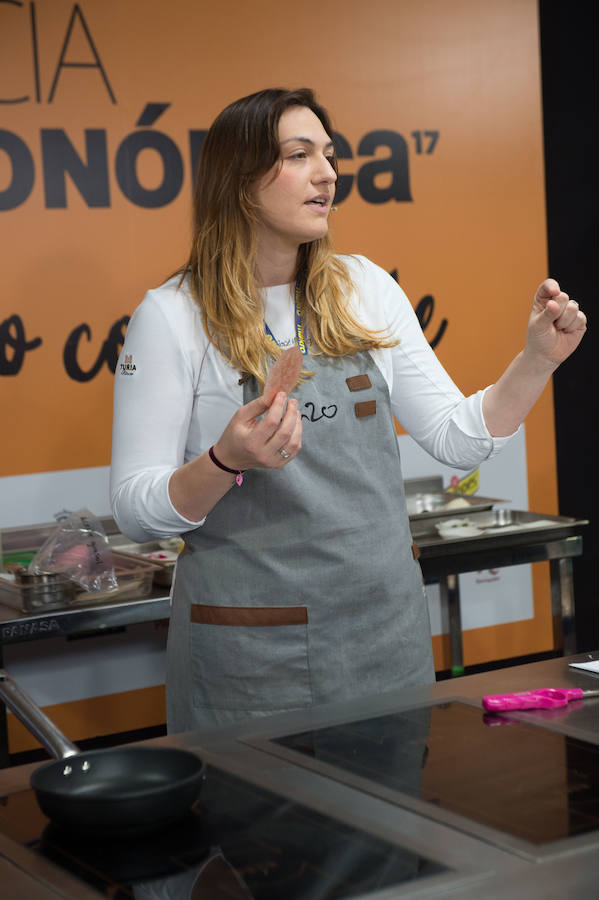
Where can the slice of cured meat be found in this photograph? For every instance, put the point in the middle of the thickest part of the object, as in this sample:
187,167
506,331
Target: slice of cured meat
284,374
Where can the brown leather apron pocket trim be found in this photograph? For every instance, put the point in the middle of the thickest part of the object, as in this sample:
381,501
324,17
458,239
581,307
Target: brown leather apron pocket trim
201,614
366,408
358,382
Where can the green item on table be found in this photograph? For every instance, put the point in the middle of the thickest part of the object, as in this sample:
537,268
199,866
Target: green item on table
16,558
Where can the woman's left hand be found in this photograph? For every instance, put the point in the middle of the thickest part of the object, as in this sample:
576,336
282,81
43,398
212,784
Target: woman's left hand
555,329
556,325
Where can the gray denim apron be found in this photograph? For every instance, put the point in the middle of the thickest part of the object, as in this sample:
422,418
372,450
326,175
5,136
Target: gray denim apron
301,587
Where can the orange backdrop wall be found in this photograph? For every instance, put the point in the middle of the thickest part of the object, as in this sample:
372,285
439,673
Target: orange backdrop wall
437,106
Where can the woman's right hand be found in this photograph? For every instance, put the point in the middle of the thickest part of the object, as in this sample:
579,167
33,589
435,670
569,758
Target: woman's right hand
247,442
256,435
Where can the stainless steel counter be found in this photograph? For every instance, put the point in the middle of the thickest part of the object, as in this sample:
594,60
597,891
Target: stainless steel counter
16,627
479,862
557,541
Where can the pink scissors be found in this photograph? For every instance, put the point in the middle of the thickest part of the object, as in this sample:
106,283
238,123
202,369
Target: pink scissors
544,698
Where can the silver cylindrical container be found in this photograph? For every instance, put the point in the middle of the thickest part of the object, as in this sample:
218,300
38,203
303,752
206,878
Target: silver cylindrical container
45,589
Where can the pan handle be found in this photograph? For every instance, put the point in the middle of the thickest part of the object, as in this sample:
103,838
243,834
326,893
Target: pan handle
32,717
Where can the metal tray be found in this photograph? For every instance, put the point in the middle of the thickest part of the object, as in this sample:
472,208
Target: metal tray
165,568
435,506
525,527
134,577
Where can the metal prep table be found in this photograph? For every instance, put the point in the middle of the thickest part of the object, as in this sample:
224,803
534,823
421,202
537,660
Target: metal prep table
18,627
558,542
469,860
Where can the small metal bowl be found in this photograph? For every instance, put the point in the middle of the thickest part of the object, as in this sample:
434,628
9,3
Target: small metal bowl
502,516
423,503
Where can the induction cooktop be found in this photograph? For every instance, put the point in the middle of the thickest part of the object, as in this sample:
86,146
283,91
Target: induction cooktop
515,784
239,842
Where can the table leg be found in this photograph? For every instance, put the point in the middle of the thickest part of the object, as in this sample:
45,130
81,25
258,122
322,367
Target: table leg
449,587
562,605
4,751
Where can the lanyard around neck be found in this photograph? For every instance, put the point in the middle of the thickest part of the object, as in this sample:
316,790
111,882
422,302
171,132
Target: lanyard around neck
299,325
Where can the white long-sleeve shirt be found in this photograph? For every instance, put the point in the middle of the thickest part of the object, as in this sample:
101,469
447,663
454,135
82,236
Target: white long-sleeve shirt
175,393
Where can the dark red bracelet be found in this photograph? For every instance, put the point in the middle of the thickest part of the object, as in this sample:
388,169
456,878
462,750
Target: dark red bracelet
238,473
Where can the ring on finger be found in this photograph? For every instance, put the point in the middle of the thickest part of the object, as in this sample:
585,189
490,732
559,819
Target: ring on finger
284,453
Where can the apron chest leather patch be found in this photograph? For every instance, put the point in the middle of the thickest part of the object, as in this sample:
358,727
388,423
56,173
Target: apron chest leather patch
202,614
358,382
366,408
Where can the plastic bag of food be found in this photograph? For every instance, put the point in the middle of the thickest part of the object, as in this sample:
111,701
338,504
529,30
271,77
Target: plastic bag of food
79,550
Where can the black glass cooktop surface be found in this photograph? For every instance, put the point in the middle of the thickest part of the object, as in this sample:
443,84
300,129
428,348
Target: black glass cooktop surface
239,842
529,782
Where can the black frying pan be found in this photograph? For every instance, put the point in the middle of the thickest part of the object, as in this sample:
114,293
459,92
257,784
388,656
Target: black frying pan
123,790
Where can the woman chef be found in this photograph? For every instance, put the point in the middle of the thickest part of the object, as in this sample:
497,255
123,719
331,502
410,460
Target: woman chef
297,583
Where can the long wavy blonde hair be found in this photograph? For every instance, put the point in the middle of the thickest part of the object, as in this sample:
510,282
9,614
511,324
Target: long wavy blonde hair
241,146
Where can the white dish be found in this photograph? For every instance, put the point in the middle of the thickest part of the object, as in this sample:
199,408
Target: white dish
453,529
